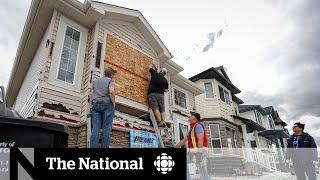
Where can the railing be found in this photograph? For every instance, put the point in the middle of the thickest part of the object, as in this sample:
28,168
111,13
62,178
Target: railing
266,160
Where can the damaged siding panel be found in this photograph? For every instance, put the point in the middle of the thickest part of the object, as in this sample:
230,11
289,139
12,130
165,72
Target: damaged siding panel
55,21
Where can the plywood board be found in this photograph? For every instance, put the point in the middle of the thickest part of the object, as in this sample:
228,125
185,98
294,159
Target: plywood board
132,65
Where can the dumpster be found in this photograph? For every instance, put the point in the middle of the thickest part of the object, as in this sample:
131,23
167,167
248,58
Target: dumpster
21,132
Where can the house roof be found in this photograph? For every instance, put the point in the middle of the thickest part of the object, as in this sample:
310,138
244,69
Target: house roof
236,99
245,108
87,14
223,71
214,73
187,84
250,125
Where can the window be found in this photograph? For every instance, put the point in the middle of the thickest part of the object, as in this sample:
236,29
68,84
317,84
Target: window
271,123
180,98
253,144
98,55
236,111
258,117
215,138
221,94
227,97
69,55
209,90
224,95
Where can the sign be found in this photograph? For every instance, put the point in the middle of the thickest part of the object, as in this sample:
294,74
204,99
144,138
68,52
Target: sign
143,139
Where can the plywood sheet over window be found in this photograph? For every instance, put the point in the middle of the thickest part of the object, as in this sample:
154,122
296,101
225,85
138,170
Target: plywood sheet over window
133,76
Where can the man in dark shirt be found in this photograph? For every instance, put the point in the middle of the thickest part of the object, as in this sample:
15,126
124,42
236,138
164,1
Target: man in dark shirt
158,85
302,150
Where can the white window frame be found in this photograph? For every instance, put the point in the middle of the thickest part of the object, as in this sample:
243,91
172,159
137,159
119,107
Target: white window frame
211,149
179,120
57,52
204,84
224,95
77,60
173,98
256,114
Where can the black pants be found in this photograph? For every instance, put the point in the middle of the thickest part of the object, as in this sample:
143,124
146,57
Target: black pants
301,169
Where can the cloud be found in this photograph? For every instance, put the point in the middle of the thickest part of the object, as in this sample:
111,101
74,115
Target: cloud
12,17
295,58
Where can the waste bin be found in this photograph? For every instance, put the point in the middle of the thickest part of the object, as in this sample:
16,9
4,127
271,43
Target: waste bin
21,132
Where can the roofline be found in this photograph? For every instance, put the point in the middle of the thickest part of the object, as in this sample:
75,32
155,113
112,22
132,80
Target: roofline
256,107
220,75
182,81
166,51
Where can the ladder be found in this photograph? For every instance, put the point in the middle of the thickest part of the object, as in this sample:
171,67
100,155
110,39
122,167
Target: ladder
167,134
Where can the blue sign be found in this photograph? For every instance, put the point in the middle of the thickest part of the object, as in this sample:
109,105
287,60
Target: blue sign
143,139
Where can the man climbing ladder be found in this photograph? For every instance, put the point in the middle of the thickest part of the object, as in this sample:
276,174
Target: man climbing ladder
158,85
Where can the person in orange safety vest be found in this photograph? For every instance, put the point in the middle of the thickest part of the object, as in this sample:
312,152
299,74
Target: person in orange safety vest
197,144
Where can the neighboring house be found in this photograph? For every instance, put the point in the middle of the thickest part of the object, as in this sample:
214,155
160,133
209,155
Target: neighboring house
65,46
270,138
219,108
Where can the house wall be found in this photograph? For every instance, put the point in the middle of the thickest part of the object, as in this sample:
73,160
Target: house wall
26,98
58,100
214,107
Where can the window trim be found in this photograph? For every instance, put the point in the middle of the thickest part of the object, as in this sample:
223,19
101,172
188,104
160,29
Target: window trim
78,52
173,98
224,95
211,149
256,116
206,91
57,51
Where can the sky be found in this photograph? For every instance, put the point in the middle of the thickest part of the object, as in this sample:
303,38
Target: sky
269,48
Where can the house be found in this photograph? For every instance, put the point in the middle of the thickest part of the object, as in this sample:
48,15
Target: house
219,108
65,46
271,138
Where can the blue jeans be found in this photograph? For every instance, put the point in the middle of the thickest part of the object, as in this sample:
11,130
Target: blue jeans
101,117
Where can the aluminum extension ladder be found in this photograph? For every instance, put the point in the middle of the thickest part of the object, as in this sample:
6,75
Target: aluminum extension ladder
167,134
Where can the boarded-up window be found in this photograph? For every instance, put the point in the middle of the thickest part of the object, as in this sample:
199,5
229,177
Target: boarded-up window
98,55
69,55
132,66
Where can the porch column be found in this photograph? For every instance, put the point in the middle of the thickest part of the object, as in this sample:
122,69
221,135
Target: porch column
246,143
256,136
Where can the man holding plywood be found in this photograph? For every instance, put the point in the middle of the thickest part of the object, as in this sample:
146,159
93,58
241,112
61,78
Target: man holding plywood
158,85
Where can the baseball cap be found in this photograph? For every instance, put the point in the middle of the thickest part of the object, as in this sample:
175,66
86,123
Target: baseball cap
109,70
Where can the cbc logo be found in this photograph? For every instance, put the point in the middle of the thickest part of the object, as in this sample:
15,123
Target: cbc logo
164,163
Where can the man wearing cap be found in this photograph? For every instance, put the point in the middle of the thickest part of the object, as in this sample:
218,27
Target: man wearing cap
197,144
158,85
103,104
302,151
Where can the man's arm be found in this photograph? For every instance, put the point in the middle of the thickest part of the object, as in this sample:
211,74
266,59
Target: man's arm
152,69
182,142
112,94
200,137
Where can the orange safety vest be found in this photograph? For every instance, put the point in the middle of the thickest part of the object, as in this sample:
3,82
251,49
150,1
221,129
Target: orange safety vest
193,139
